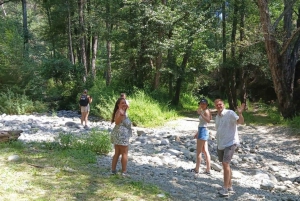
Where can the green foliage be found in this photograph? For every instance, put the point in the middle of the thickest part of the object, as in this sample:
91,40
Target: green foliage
59,69
104,103
263,114
12,61
96,141
13,103
190,102
294,123
146,38
104,99
145,111
17,145
105,107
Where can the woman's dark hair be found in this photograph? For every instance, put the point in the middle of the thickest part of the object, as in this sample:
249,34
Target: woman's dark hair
116,109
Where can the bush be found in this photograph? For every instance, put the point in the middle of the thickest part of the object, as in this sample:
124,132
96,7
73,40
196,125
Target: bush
99,142
104,99
13,103
145,111
96,141
295,122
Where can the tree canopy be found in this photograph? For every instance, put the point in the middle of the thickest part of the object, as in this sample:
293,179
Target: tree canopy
233,49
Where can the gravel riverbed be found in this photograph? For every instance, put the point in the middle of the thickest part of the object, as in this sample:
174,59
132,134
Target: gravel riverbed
265,167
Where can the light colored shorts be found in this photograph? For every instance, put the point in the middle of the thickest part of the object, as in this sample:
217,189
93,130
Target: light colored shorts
203,133
85,108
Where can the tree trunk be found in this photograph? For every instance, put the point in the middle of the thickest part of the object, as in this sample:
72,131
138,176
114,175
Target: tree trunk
233,68
4,12
226,70
25,27
131,45
48,11
142,61
94,55
108,67
224,31
282,65
171,62
71,55
108,44
242,72
88,39
181,73
82,38
158,64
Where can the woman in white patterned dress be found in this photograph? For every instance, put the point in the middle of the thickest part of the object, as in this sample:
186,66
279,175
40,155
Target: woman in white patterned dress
120,135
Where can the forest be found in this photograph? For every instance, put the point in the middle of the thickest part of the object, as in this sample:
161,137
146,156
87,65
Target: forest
237,50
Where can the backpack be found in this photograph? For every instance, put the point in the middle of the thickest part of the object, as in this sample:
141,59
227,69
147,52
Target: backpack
84,101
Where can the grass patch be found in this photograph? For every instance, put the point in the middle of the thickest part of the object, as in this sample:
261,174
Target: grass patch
96,141
56,171
263,114
144,111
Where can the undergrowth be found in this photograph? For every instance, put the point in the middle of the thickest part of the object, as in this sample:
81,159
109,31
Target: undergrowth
12,103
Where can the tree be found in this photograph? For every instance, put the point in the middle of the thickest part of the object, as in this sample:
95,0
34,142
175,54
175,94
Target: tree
282,58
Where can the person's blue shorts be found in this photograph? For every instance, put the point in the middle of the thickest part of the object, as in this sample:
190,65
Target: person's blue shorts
203,133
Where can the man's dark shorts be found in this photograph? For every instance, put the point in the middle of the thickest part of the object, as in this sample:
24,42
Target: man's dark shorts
226,154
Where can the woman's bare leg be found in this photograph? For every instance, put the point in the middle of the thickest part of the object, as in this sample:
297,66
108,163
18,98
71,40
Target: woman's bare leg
207,156
200,144
82,117
124,153
115,158
86,118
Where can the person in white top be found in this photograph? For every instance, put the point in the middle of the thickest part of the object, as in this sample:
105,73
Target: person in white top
202,136
227,139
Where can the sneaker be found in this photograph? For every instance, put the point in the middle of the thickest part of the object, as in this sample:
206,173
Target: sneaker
194,171
124,174
86,127
223,192
113,172
230,190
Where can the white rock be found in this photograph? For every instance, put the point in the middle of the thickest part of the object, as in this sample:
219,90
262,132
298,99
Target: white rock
274,168
14,158
216,167
267,184
214,158
280,188
236,174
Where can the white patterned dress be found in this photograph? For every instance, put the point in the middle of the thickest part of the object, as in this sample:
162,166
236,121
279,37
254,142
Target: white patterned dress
121,133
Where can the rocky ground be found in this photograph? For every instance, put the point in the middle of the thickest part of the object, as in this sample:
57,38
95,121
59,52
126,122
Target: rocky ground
265,167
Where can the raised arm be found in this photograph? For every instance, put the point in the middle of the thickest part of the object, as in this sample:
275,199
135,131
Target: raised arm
205,115
240,113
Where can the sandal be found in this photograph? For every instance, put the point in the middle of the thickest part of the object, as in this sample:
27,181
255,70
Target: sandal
194,171
207,173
